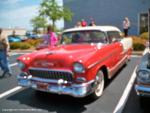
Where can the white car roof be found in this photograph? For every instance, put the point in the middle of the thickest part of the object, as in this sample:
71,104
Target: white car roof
101,28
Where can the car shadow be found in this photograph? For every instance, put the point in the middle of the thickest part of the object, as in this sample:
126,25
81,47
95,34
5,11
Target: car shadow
145,105
51,102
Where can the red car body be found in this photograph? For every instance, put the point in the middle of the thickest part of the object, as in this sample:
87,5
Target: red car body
77,69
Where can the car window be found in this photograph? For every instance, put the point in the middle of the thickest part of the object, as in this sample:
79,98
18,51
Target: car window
114,36
90,36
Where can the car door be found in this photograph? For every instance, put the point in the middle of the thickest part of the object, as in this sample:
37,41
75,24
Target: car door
114,40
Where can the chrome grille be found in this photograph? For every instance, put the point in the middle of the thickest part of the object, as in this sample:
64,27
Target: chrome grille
51,74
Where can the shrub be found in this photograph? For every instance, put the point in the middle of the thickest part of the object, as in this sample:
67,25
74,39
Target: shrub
144,35
138,46
139,43
15,45
137,39
25,46
34,42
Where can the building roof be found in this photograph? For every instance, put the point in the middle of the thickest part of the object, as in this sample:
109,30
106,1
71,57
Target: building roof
101,28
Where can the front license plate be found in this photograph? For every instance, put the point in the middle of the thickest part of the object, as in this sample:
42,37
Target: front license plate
42,86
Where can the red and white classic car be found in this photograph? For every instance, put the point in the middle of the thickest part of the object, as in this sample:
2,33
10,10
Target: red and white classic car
81,65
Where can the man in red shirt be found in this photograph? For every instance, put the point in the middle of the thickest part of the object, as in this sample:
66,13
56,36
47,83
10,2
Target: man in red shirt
83,23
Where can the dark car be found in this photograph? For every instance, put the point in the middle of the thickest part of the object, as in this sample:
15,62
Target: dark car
32,35
142,85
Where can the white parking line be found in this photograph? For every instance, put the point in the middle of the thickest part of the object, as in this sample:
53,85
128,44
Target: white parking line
10,91
14,64
135,56
126,93
13,54
19,53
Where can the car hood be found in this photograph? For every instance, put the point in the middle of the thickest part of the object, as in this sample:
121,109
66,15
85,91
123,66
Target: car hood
143,63
64,55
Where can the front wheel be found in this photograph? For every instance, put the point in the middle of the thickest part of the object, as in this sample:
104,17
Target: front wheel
99,85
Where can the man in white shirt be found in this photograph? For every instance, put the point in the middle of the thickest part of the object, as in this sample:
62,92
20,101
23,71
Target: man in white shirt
126,26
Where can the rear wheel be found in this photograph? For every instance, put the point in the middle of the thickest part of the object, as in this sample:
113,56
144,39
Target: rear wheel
99,85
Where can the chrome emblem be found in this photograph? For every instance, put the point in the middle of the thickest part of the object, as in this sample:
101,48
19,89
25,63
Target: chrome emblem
44,63
47,64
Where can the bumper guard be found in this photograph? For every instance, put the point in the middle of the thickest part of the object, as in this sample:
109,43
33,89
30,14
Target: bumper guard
56,86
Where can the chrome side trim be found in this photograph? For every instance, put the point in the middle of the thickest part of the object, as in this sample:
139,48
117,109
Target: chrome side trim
97,62
123,59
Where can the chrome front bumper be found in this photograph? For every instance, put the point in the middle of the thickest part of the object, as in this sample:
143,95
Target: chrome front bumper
56,86
142,90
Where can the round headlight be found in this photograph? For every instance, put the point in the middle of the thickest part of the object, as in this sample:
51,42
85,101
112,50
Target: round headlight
78,68
21,65
143,75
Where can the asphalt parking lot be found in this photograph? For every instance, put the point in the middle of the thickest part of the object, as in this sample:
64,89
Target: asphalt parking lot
16,99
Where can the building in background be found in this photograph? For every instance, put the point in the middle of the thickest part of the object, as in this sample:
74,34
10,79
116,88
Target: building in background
111,12
143,22
17,31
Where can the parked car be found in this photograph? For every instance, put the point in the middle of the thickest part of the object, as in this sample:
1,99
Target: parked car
142,85
14,39
81,65
32,35
23,37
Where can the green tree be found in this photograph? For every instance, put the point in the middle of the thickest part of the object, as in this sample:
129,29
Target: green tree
51,10
38,22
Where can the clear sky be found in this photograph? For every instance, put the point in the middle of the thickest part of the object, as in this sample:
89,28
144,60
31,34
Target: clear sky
18,13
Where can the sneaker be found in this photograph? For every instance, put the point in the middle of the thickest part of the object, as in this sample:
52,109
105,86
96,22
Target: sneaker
1,75
6,73
9,74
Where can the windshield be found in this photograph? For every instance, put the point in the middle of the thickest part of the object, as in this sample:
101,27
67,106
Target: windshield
90,36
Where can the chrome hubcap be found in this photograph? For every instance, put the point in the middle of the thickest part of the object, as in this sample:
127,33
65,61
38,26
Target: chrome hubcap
99,85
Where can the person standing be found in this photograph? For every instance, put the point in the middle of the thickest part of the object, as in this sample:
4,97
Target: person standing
126,26
4,49
83,23
52,36
78,24
49,39
92,22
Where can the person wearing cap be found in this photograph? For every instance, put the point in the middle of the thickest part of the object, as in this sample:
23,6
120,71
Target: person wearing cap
4,49
83,23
